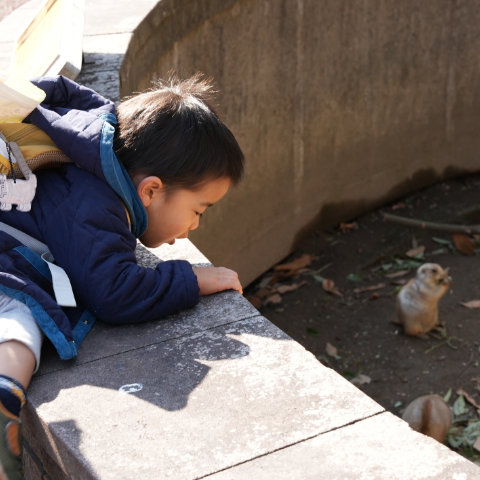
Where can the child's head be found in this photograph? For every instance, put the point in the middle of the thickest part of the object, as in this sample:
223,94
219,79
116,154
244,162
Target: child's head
172,132
180,156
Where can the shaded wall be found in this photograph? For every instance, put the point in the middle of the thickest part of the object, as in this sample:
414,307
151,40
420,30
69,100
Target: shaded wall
339,106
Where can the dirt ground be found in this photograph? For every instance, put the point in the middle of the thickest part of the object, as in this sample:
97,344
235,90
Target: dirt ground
351,331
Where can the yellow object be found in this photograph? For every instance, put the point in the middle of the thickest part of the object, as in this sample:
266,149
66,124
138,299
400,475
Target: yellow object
18,97
37,147
52,43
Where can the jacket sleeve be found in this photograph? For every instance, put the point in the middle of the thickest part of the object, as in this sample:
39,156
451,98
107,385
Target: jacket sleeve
88,236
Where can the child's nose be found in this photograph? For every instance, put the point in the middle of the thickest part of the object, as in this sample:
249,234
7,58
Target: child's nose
195,224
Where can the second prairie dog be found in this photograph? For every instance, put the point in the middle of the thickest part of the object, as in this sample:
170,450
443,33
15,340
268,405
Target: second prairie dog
429,415
417,301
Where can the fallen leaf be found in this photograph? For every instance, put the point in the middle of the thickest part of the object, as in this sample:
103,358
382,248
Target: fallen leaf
281,275
468,398
398,206
374,296
361,379
463,243
370,288
471,304
331,350
415,252
274,299
459,407
329,286
255,301
441,241
290,288
263,292
354,277
398,273
301,262
344,227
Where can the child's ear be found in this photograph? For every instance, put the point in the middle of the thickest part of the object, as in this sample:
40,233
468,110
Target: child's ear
148,189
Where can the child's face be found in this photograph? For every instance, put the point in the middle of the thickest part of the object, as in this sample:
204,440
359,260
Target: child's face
174,213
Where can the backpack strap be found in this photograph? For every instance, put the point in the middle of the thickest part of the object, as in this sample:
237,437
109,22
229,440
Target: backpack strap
60,281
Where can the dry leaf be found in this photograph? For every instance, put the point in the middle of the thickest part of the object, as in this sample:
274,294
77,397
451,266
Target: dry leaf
398,273
255,301
263,292
471,304
344,227
469,399
361,379
290,288
370,288
329,286
331,350
275,299
415,252
374,296
463,243
301,262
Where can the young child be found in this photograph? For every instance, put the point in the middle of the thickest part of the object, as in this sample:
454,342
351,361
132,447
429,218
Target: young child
151,177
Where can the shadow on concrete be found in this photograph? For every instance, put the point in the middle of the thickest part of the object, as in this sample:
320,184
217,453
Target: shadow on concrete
164,372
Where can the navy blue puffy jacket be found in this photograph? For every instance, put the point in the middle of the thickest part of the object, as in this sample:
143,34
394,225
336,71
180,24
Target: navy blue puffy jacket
80,213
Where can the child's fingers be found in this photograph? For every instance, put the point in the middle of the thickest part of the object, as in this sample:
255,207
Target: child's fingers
216,279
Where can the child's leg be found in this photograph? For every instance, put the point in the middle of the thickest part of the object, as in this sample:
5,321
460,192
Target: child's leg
17,361
20,343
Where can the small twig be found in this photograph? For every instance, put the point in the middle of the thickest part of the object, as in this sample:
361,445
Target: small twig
441,227
434,347
448,342
321,269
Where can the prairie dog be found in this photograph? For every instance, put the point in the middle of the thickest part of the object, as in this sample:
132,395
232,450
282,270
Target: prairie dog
417,301
429,415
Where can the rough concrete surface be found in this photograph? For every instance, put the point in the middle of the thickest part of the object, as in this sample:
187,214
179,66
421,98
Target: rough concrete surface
389,451
199,403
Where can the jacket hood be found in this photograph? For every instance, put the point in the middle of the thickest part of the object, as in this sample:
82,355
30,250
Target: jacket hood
82,124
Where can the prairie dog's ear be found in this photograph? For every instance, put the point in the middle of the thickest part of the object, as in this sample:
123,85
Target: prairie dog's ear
149,188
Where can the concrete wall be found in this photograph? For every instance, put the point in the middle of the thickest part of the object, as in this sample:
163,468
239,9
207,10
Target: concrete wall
339,106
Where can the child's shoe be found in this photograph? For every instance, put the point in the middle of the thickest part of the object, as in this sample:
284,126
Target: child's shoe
10,446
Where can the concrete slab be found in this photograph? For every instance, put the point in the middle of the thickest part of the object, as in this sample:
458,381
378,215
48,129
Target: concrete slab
199,404
378,448
108,340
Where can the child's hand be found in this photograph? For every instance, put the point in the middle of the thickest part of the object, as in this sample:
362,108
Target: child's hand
215,279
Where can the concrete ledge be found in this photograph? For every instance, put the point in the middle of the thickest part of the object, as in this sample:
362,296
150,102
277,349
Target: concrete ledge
213,392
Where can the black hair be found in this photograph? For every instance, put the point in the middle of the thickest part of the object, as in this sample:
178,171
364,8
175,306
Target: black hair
173,132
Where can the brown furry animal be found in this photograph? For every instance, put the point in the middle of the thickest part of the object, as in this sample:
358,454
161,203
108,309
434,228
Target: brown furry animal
429,415
417,301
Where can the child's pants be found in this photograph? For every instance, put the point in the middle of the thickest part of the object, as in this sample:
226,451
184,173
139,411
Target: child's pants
17,323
